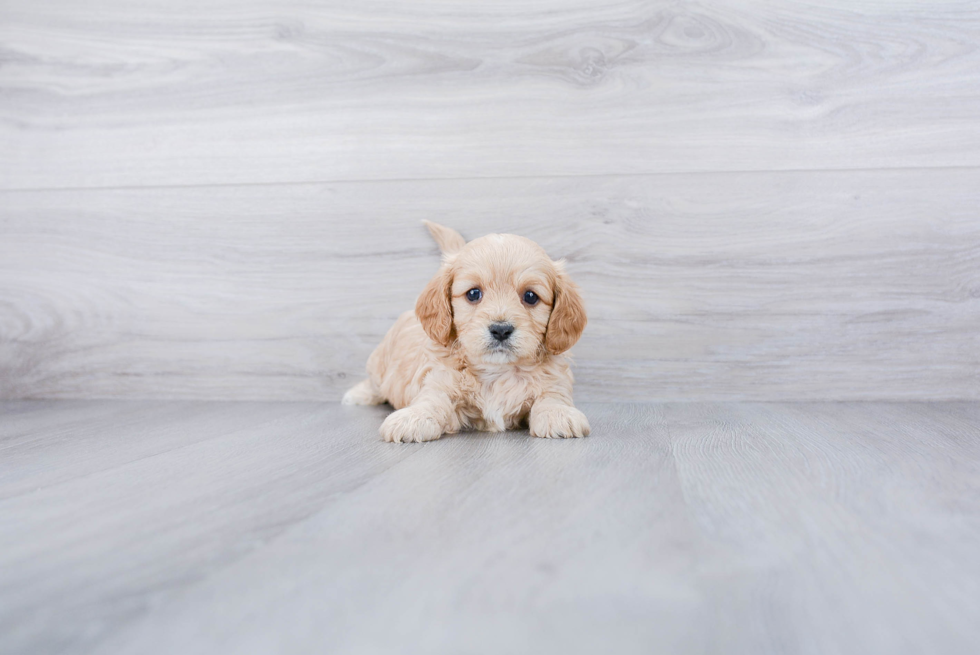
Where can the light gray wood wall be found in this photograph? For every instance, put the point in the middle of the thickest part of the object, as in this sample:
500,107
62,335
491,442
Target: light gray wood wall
223,199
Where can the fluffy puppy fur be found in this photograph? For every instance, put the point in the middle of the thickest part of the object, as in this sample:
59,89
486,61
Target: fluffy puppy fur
480,351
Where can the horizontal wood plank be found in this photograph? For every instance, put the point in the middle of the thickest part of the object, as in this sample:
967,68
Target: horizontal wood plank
846,285
109,93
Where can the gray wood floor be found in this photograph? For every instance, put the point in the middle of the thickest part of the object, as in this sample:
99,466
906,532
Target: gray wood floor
194,527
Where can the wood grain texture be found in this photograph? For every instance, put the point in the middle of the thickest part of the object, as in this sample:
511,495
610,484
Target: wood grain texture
112,93
834,285
675,528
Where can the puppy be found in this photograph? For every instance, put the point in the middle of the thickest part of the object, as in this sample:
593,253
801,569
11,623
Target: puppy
483,348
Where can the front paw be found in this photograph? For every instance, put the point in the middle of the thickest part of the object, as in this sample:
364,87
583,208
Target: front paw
410,424
558,422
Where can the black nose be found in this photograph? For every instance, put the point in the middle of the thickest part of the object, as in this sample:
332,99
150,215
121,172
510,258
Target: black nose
501,331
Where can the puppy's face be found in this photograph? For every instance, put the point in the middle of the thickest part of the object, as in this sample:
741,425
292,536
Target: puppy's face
504,301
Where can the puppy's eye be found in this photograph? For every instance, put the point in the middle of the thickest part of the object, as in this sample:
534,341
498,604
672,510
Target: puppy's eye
474,295
530,298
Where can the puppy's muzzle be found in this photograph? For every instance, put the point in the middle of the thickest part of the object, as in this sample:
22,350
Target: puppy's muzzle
501,331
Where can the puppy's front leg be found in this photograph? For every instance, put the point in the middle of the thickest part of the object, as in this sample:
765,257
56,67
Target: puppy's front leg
554,417
428,417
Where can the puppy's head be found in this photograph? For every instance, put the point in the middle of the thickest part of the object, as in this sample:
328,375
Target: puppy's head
503,300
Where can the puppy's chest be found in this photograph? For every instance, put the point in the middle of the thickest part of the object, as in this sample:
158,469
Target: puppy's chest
496,401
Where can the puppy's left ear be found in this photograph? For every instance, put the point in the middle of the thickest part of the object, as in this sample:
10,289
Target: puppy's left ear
568,317
434,307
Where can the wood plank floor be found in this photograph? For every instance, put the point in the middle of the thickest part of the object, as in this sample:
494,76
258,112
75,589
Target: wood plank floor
192,527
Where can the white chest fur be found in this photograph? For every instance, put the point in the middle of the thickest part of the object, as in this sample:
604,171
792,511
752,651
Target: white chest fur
496,398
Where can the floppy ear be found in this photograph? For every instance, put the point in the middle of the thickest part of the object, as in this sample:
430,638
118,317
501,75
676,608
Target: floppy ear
568,317
449,240
434,308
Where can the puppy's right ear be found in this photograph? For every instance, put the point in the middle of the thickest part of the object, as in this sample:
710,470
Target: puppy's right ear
434,308
568,317
450,241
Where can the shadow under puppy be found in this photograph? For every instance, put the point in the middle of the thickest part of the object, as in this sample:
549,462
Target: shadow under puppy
483,348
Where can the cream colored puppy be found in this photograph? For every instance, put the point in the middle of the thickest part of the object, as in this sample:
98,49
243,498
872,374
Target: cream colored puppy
483,348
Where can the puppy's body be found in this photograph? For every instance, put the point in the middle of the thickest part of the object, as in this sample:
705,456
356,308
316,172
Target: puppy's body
489,363
490,397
